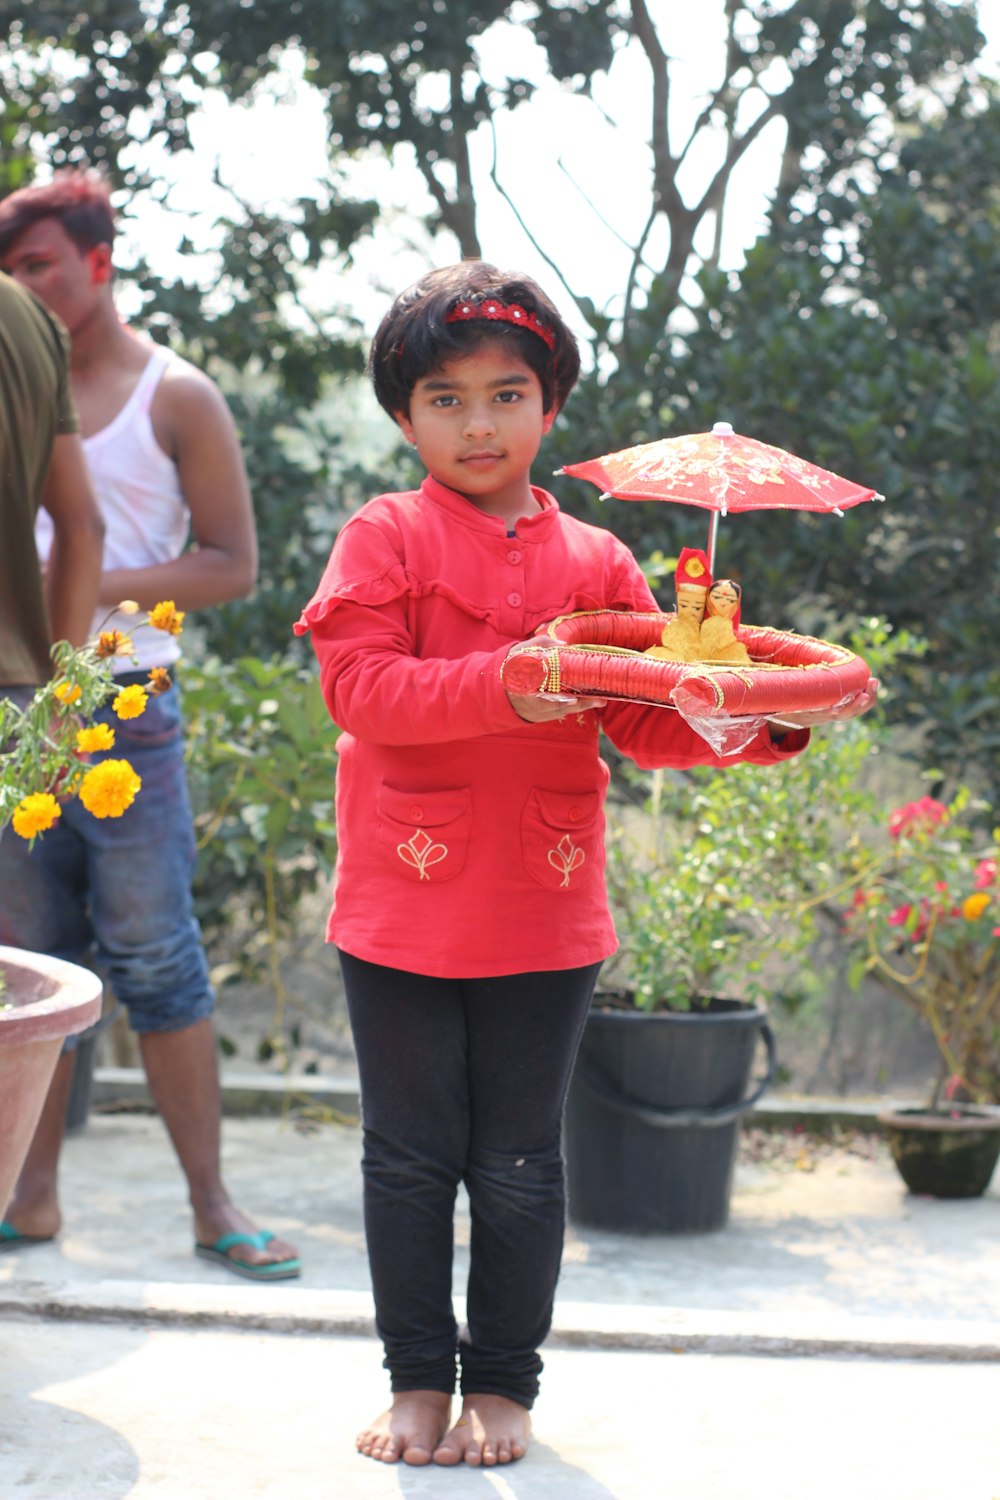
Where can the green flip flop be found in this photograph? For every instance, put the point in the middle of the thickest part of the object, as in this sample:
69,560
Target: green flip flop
278,1270
13,1239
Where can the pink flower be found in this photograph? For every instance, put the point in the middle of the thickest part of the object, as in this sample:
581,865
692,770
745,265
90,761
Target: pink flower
915,817
899,917
986,874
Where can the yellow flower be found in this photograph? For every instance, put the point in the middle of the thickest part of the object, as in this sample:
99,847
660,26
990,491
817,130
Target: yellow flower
113,643
66,692
35,813
131,701
164,616
159,681
97,737
973,906
108,789
695,568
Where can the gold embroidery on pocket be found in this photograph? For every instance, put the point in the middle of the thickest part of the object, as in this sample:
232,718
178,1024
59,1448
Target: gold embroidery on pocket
420,852
566,857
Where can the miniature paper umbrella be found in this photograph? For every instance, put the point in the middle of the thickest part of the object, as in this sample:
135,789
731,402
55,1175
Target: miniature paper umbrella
720,471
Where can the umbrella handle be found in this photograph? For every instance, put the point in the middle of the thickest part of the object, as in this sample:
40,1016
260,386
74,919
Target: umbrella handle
713,531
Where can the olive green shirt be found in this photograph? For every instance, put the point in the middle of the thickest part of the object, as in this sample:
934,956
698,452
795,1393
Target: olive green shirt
35,407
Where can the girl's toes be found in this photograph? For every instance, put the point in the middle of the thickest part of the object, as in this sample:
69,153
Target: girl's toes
503,1451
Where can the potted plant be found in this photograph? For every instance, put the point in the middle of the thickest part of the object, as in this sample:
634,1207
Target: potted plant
44,748
705,881
924,920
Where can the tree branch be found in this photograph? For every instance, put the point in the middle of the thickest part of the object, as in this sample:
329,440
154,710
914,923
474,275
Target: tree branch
579,303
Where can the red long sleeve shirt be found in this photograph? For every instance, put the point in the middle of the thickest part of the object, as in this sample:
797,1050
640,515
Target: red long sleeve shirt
471,843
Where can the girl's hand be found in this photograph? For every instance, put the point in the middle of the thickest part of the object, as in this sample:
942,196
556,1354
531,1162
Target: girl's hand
860,704
542,708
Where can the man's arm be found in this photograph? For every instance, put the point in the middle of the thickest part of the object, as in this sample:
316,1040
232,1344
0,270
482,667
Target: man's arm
195,428
74,568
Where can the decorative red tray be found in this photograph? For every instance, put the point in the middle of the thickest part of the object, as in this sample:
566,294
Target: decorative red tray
600,654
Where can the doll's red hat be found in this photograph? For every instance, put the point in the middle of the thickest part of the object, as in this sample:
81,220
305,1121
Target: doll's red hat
693,569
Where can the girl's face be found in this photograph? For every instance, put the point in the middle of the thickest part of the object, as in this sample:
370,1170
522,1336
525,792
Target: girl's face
477,423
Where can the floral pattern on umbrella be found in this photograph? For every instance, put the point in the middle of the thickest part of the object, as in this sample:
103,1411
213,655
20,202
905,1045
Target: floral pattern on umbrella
720,471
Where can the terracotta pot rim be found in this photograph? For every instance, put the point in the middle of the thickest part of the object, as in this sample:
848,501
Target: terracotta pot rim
958,1118
66,998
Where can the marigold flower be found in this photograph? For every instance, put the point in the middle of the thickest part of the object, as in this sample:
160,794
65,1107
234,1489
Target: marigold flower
131,701
165,616
35,813
97,737
108,789
915,817
66,692
159,681
974,906
113,643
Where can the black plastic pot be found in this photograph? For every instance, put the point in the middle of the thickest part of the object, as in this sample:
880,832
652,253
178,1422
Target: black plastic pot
950,1153
82,1084
653,1115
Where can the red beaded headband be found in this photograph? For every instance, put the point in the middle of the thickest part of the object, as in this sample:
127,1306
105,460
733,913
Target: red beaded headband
496,311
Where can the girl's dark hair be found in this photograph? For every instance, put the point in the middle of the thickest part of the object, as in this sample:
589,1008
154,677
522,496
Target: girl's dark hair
415,338
78,197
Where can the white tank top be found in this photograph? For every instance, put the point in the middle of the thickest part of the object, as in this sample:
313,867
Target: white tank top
146,520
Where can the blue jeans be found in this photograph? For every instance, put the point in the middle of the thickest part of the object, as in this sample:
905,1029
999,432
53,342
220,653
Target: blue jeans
465,1081
117,891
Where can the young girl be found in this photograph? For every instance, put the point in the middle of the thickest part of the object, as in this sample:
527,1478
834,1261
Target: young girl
469,906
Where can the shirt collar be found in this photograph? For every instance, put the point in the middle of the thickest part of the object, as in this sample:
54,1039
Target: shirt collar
470,515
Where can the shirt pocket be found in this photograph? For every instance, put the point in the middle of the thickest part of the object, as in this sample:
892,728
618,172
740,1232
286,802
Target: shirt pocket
424,836
562,838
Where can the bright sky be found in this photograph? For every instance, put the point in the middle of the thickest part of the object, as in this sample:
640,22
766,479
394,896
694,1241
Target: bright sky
554,153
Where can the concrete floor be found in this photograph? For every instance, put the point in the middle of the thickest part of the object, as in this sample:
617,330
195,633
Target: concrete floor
92,1412
693,1367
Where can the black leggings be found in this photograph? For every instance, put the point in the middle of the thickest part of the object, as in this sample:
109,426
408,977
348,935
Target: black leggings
465,1080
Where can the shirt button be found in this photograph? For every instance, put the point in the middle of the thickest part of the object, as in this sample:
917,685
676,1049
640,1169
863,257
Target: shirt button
417,813
576,813
513,600
514,557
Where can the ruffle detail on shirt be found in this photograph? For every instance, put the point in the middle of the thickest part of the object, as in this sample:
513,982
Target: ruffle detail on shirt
624,598
373,591
381,590
437,588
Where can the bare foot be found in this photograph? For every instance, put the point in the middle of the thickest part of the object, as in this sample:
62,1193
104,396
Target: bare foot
210,1224
410,1430
491,1430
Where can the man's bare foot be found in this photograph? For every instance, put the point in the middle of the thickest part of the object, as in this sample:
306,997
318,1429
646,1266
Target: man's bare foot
410,1430
211,1223
491,1430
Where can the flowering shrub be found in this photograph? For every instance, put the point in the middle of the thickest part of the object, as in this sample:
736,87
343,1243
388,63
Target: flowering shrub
924,919
43,747
705,884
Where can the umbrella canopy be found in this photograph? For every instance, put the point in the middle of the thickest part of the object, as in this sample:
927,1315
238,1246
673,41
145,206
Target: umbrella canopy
720,471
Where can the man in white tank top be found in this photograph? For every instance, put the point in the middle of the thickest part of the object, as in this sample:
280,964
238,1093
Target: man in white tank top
164,456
